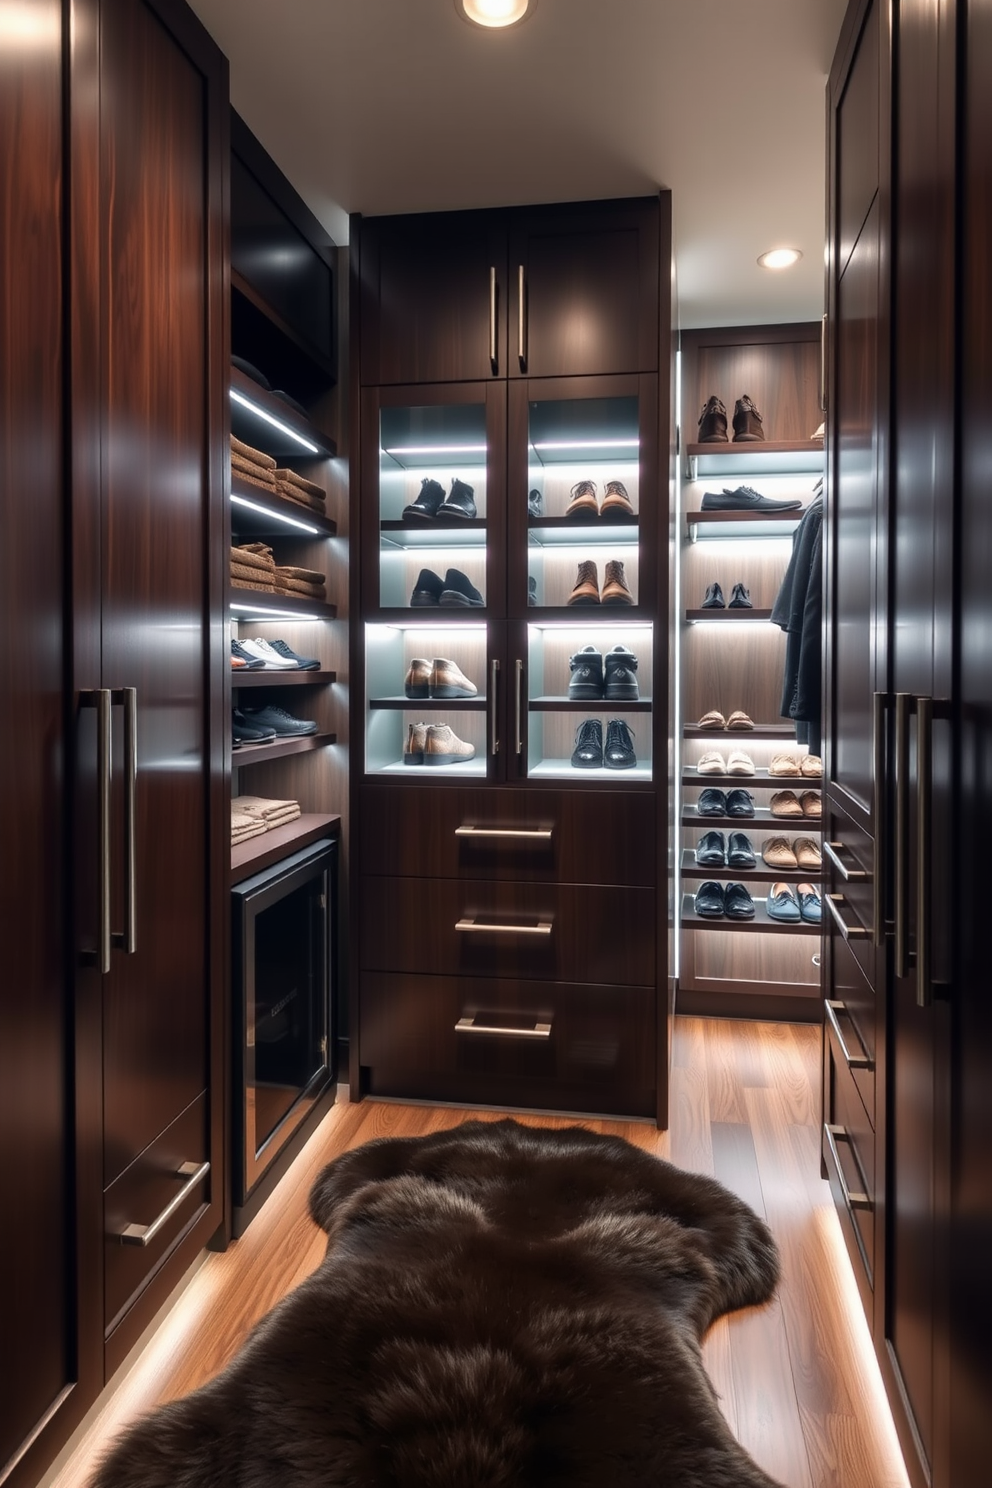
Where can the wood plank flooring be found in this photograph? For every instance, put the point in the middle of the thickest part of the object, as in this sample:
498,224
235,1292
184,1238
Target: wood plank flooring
797,1379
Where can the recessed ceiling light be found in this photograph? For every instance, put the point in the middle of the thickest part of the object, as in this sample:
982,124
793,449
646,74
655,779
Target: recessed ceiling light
780,258
495,12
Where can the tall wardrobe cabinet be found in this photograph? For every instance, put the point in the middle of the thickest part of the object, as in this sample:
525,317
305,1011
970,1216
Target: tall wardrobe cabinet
113,429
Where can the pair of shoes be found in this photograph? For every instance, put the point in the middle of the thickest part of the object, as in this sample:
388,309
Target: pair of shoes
787,803
583,505
713,901
740,598
810,765
535,504
714,719
803,853
435,744
713,850
432,502
736,763
613,677
439,678
273,722
590,753
746,498
586,588
804,904
453,591
714,802
713,422
273,656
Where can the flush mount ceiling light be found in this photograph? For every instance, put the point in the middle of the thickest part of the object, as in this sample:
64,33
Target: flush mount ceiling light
495,12
780,258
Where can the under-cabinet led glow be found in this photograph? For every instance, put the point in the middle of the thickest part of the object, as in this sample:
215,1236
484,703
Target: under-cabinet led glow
435,449
237,397
276,516
255,612
587,444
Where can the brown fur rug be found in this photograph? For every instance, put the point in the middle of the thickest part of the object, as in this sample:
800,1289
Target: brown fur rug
500,1306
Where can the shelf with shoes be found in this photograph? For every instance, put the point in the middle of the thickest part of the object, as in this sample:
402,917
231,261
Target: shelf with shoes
760,872
242,679
762,923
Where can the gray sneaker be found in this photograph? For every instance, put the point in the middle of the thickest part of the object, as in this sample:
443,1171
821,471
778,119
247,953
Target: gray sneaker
442,746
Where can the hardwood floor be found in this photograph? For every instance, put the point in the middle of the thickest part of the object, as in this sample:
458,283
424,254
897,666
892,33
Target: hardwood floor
797,1379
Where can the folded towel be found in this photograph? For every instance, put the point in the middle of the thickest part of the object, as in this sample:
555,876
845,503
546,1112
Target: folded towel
254,475
256,571
293,588
305,575
242,834
257,457
249,559
239,582
261,549
271,822
241,478
308,487
260,806
293,493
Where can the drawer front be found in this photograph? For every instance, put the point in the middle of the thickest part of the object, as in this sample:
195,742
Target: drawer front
850,1013
558,932
514,1043
848,1145
591,837
136,1201
847,850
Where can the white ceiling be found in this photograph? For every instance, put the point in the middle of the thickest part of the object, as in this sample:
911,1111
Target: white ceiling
381,106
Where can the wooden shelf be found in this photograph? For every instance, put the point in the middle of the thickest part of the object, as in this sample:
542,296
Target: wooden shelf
241,679
434,525
761,777
273,515
761,923
589,705
746,518
252,429
768,731
754,450
761,870
798,826
256,754
727,614
444,705
263,606
270,847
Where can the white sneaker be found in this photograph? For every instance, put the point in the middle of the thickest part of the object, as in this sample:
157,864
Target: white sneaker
264,652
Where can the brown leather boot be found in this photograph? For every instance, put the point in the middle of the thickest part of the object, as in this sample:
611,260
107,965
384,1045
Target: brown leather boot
747,422
616,503
586,589
615,591
713,422
582,507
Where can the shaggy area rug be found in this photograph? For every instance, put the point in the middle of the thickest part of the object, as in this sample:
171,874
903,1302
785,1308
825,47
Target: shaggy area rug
500,1306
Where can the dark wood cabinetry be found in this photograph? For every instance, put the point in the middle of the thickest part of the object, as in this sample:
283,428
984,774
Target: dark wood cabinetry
114,338
510,904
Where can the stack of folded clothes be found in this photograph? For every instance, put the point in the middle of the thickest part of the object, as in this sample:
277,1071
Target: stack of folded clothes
253,466
306,582
253,567
297,488
264,813
244,825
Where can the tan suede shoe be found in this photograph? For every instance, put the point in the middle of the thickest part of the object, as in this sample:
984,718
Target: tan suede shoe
807,854
785,803
777,853
811,764
784,764
810,803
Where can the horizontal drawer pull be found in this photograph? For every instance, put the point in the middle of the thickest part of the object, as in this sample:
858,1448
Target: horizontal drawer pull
136,1234
854,1061
849,932
835,1134
543,927
833,851
469,1025
526,834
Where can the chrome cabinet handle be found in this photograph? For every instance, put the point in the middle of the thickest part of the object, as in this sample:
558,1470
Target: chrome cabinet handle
469,1025
534,834
903,704
924,814
853,1061
136,1234
833,851
522,317
879,705
493,360
518,706
100,699
543,927
127,940
835,1134
493,728
849,932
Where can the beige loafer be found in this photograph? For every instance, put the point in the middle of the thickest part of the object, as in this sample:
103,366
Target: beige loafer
740,763
714,719
777,853
785,803
784,764
711,763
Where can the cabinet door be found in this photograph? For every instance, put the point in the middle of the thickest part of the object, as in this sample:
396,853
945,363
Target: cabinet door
433,298
584,289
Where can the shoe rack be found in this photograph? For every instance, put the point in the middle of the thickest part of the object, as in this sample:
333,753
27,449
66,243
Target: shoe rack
732,658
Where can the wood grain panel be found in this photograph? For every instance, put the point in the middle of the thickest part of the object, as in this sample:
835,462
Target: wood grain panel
778,367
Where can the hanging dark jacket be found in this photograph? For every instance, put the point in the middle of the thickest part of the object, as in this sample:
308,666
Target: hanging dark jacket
798,610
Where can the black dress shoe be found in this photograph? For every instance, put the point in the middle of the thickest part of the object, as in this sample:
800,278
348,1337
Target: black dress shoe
424,509
740,853
738,903
709,900
427,590
618,751
712,802
284,725
740,599
714,599
459,502
459,591
740,803
588,751
745,498
711,850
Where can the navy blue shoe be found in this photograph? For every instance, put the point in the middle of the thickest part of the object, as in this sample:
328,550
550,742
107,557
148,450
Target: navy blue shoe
304,663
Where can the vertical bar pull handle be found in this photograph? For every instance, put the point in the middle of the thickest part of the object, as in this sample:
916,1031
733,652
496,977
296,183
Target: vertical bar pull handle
518,706
924,812
493,359
522,317
879,705
823,363
493,729
101,699
901,846
128,940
